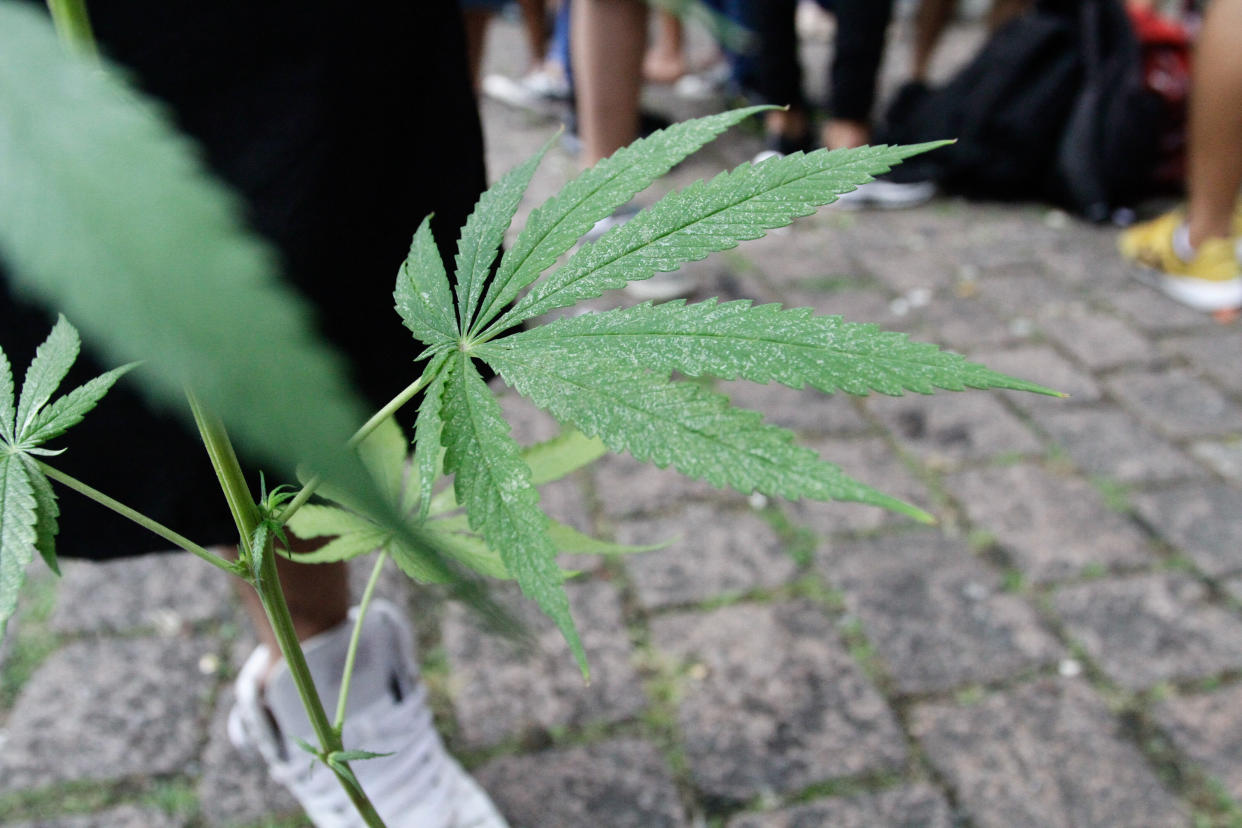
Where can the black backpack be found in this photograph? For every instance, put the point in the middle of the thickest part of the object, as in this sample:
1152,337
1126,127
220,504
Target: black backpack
1052,107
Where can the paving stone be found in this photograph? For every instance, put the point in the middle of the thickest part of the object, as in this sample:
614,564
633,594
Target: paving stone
714,553
234,787
958,323
1045,755
626,487
1201,519
853,304
165,592
619,784
1177,403
107,709
1224,457
907,270
917,806
1216,355
806,253
1151,628
1098,341
1152,310
1053,527
937,615
805,411
122,816
1233,588
1208,729
499,692
1019,289
1105,441
773,703
872,461
947,429
1040,364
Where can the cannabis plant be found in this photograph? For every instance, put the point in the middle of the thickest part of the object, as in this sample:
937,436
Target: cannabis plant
106,214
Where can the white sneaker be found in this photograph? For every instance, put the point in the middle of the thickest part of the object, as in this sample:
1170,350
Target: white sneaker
418,786
539,90
887,195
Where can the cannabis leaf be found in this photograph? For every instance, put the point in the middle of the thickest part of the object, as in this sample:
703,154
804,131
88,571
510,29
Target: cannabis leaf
493,483
559,223
28,508
760,343
610,375
704,218
697,431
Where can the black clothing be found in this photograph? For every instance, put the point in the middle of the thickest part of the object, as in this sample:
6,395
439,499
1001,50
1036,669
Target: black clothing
342,127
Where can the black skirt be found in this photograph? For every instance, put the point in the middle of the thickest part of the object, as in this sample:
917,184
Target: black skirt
342,126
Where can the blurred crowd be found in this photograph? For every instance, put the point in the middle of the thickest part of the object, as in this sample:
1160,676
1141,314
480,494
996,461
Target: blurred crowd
1103,107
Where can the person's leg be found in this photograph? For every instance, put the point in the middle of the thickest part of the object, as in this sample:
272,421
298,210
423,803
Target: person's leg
535,26
476,20
665,61
929,23
1214,163
317,594
778,74
1196,251
862,28
607,42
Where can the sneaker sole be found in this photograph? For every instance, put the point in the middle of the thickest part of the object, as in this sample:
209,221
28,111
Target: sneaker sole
1200,294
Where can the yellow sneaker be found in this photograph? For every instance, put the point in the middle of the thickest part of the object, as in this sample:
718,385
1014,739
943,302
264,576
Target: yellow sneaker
1211,281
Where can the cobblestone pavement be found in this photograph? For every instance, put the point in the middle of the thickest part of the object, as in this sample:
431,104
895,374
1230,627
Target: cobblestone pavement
1063,649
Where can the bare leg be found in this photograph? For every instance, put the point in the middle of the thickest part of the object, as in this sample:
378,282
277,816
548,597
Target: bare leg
608,41
789,123
535,23
839,133
929,23
317,594
476,37
1214,170
665,61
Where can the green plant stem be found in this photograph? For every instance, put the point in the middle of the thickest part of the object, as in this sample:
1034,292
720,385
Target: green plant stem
73,24
348,673
361,434
137,517
267,584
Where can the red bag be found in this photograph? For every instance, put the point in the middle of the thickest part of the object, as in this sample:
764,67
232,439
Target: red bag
1164,46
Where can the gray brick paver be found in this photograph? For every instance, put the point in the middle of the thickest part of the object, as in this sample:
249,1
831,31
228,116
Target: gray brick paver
1199,519
617,784
1207,728
917,805
500,691
1151,628
871,461
936,615
948,429
772,702
107,709
1106,441
1054,526
1044,755
1177,403
149,591
713,553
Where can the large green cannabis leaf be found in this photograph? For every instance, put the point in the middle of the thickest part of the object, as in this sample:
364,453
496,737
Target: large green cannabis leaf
610,374
28,509
107,214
